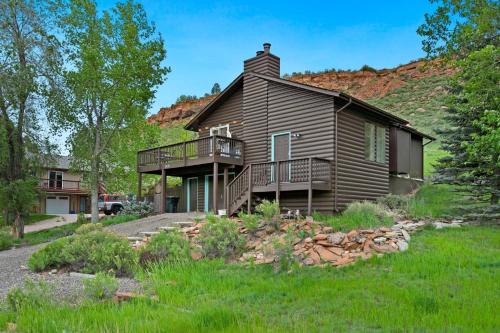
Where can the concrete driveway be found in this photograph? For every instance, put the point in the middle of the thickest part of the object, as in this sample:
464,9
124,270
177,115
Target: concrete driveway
58,221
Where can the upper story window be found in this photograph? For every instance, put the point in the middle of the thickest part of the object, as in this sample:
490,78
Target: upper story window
374,143
55,179
222,130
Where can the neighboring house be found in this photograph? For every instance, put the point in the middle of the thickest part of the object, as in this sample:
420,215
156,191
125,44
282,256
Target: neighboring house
62,190
310,148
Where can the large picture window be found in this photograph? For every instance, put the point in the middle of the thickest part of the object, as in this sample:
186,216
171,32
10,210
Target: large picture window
374,143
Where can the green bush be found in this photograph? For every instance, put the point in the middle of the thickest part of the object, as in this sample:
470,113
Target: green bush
169,246
250,221
80,218
283,250
270,211
140,208
220,237
89,227
31,294
89,251
6,240
102,286
394,202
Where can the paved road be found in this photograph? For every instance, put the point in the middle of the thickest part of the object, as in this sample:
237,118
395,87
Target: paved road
58,221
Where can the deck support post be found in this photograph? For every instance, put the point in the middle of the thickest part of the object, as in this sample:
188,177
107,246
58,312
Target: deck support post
249,207
278,166
139,186
215,186
309,189
226,181
163,191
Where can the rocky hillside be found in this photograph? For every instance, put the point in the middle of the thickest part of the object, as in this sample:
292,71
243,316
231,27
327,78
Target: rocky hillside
415,91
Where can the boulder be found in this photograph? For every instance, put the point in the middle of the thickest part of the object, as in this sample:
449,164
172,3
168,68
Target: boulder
336,238
402,245
326,255
336,250
319,237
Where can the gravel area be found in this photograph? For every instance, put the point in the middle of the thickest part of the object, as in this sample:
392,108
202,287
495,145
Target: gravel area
151,223
14,270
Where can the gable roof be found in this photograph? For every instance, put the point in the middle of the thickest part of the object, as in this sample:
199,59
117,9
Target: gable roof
238,82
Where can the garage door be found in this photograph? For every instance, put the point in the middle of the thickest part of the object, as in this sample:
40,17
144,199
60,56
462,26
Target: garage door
57,205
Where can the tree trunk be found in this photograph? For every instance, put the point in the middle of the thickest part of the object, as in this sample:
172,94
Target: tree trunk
94,199
18,225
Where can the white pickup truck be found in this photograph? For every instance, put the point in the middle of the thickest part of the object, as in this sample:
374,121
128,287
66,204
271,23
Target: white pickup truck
111,203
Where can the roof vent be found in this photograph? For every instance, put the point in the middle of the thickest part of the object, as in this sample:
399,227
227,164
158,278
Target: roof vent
267,47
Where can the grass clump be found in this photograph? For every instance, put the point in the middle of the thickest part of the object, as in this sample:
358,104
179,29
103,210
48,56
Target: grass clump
171,247
250,221
31,294
6,240
358,215
270,212
220,237
395,202
283,250
433,201
101,287
90,250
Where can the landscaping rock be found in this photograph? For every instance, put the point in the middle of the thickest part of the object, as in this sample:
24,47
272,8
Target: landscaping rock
379,240
336,238
326,255
402,245
320,237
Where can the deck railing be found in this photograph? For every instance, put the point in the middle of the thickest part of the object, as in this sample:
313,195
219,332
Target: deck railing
305,171
59,185
185,152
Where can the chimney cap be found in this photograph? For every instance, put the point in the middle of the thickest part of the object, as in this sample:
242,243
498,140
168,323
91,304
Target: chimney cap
260,52
267,47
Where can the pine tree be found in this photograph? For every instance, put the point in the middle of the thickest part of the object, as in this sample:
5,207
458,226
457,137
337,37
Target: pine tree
215,89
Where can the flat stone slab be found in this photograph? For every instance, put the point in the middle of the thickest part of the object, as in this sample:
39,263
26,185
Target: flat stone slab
81,275
149,233
134,238
183,224
168,229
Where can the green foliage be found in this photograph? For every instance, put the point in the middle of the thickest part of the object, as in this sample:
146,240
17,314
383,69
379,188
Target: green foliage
394,202
140,208
89,251
358,215
30,295
250,221
101,287
80,218
113,64
270,211
6,240
368,68
215,89
220,237
185,98
283,250
171,247
453,269
459,27
89,227
473,142
433,201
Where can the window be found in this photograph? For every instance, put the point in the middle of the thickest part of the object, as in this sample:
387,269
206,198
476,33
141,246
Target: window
374,143
55,179
222,130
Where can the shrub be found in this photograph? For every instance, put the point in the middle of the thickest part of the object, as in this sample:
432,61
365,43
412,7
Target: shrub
368,69
32,294
50,256
6,240
80,218
394,202
211,217
165,247
89,251
89,227
250,222
270,211
283,250
220,238
140,208
102,286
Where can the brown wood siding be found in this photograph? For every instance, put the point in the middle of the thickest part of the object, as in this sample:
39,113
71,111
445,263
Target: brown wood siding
229,112
358,179
265,64
311,115
416,162
255,119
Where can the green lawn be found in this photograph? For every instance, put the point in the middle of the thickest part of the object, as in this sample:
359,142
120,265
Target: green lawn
446,282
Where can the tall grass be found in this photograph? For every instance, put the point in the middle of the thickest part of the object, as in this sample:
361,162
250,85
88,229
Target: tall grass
358,215
446,282
432,201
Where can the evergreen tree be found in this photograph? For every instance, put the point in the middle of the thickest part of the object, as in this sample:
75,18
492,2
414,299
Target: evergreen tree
215,89
466,33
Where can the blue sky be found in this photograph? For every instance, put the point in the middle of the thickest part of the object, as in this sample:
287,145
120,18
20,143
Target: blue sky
207,41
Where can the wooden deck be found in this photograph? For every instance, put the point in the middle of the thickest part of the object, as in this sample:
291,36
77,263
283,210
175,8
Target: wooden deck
191,153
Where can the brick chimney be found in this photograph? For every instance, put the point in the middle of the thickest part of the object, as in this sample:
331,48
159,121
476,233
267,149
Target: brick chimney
264,62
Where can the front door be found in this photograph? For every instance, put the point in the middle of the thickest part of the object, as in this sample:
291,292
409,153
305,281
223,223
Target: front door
209,192
192,194
280,147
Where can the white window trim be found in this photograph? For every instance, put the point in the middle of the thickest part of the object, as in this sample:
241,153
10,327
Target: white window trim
56,171
226,126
